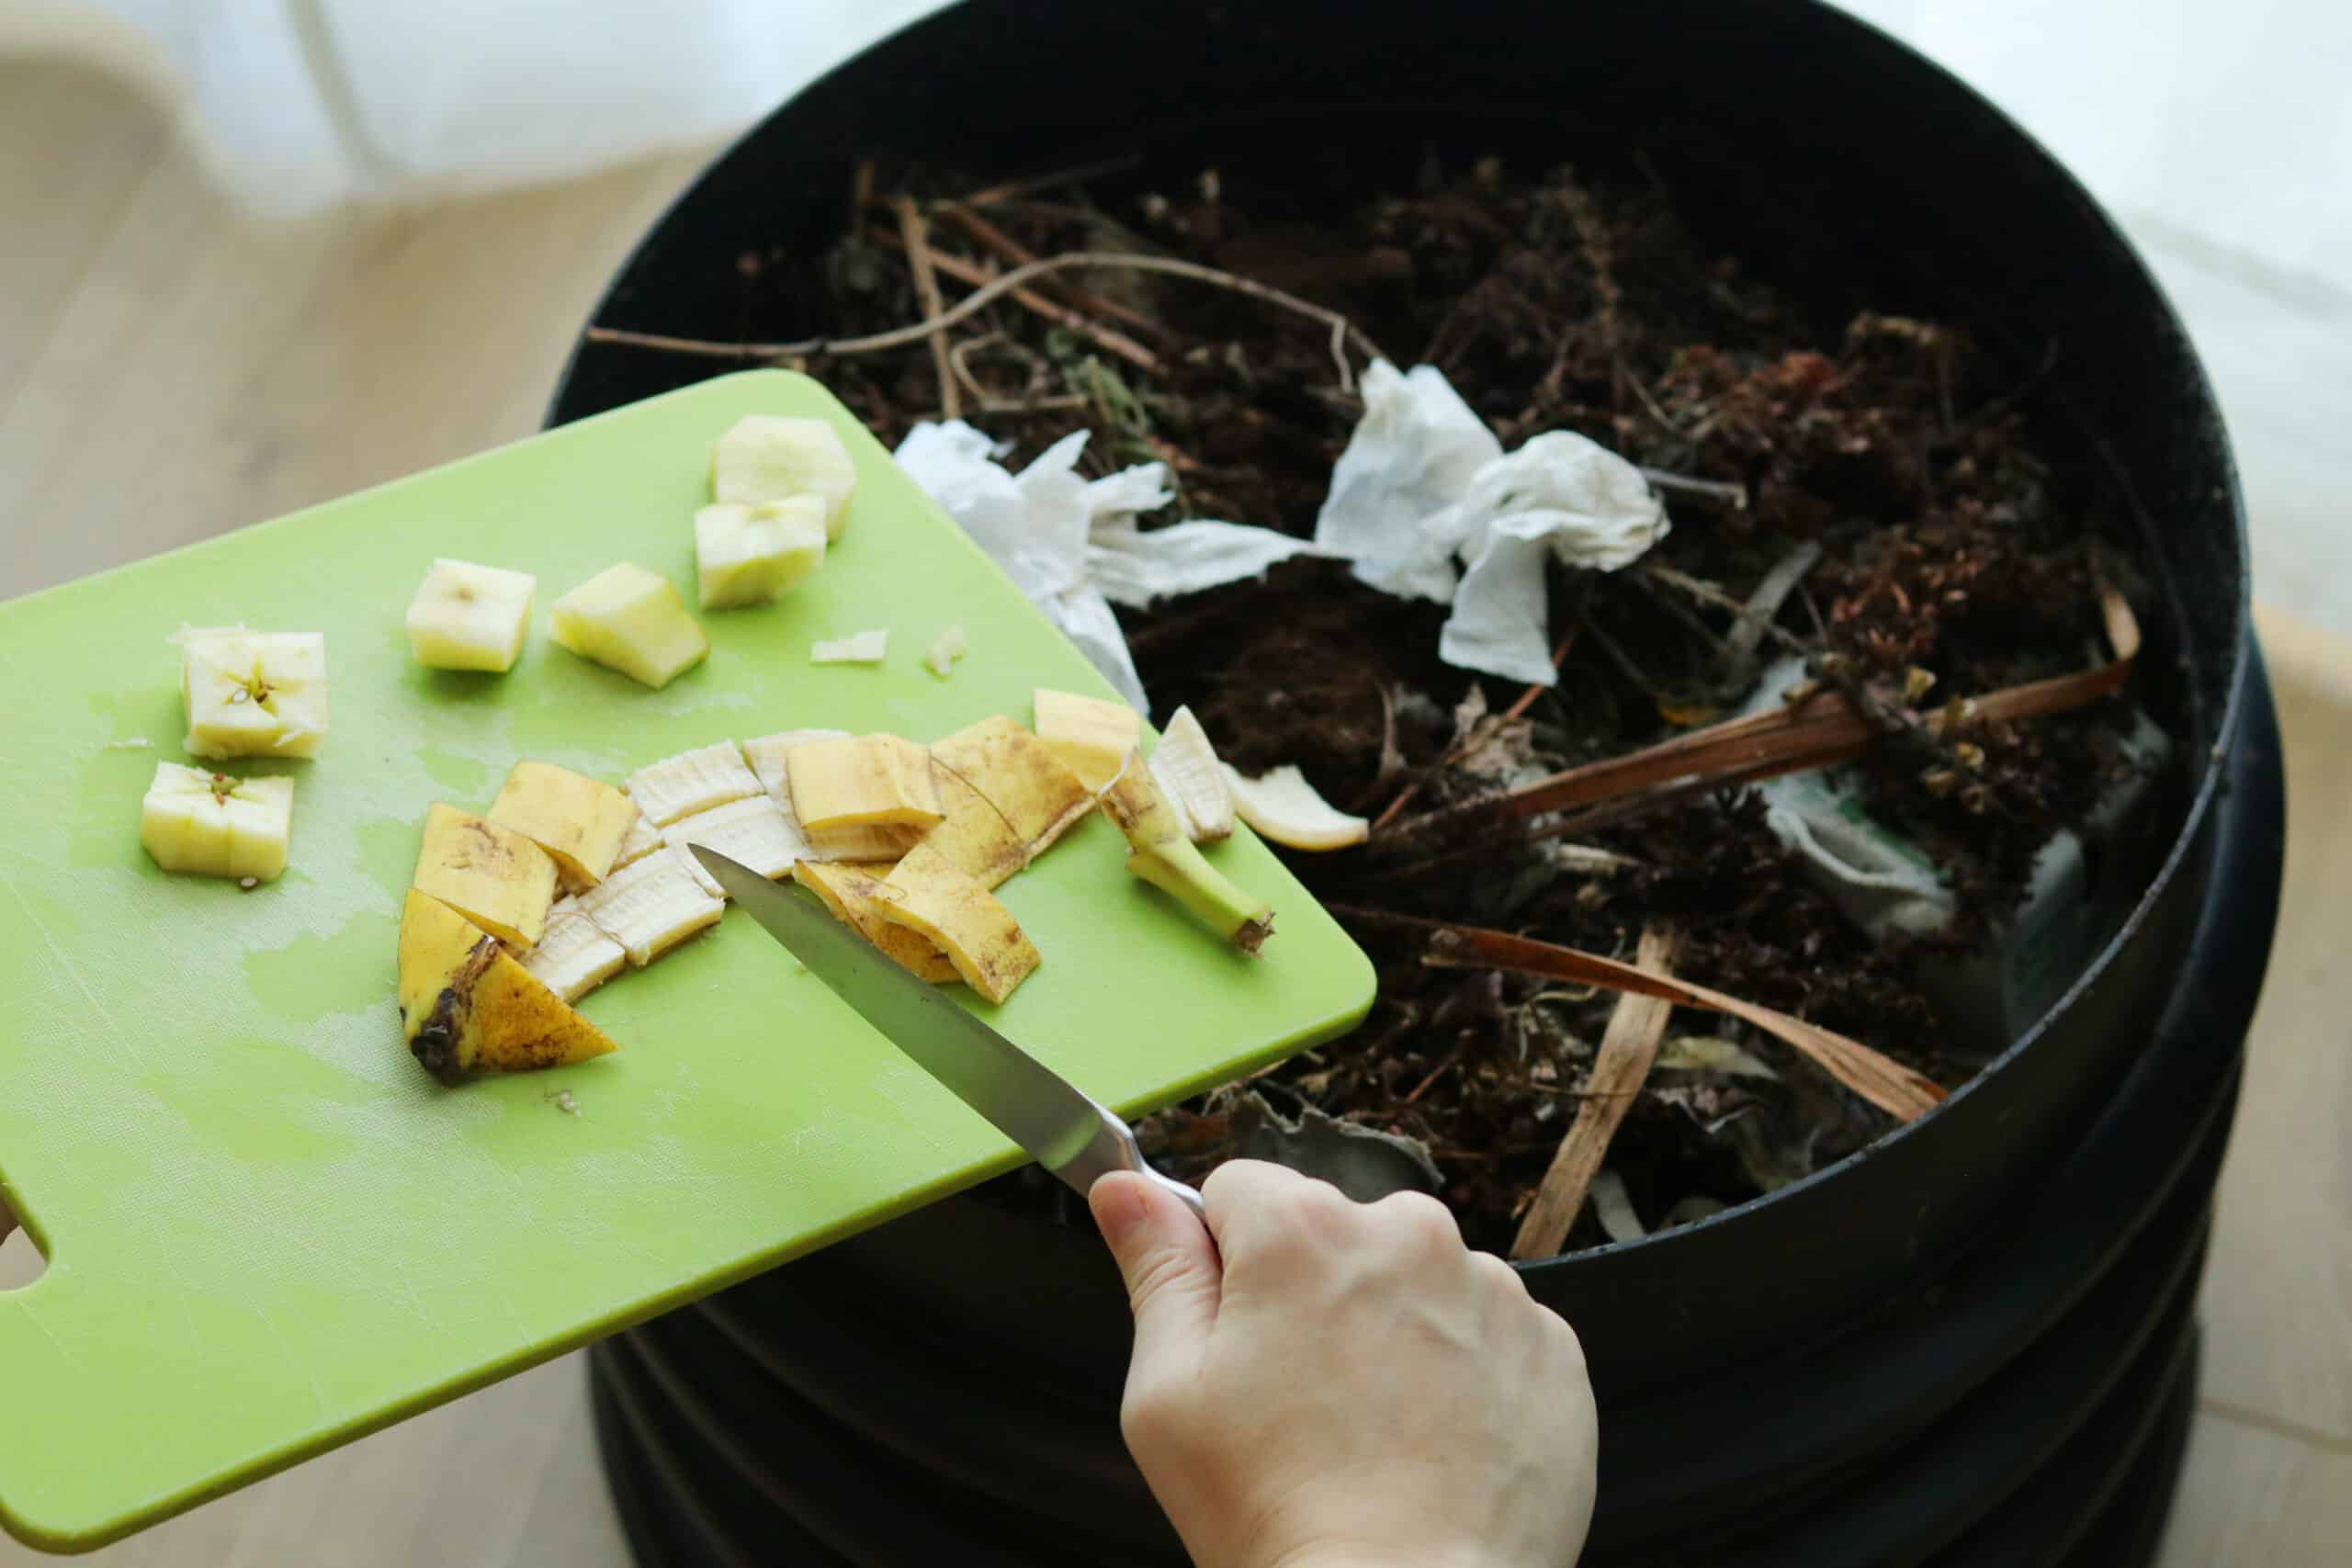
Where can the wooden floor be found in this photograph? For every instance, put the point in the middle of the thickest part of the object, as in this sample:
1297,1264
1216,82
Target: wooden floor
169,369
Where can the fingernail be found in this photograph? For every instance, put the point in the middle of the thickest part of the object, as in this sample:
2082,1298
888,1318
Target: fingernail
1118,1206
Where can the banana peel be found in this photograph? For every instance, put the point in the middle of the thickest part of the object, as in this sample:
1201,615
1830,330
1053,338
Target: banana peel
1033,789
493,875
974,835
867,781
580,821
852,891
469,1008
1090,734
1161,852
928,893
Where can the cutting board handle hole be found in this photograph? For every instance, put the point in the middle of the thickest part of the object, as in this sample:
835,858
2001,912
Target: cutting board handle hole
21,1262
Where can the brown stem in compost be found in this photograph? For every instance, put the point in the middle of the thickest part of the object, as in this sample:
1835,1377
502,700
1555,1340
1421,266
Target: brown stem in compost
911,231
1823,728
1343,332
1117,342
1894,1089
1018,255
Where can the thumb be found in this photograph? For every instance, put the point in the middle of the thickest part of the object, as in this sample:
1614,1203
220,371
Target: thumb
1169,1263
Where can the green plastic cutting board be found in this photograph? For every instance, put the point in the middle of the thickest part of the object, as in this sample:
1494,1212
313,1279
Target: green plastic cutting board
268,1231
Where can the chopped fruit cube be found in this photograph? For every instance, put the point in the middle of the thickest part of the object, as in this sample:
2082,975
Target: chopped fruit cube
945,650
748,555
1013,771
582,822
1284,807
863,648
572,956
467,1007
849,891
754,832
1186,769
691,782
629,619
652,905
253,693
1090,734
772,456
927,894
974,835
864,781
469,617
216,825
493,875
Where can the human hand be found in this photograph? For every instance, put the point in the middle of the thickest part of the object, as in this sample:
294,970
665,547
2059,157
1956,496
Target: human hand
1341,1383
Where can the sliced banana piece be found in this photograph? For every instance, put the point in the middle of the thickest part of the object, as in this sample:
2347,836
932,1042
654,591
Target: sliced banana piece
572,957
652,904
1185,767
691,782
754,832
859,647
1283,806
643,839
945,649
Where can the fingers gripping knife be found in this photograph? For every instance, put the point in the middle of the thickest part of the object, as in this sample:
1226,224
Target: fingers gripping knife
1069,1135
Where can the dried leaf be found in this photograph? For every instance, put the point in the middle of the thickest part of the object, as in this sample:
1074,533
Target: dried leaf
1884,1082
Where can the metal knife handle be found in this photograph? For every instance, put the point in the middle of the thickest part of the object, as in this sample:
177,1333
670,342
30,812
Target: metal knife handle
1113,1147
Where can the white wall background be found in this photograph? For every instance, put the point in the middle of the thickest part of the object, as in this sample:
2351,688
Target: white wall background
2221,136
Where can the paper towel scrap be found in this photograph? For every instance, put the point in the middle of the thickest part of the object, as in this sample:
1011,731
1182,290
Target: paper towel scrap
1424,481
1072,545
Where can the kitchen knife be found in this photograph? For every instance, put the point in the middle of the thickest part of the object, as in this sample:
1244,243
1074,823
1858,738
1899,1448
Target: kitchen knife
1062,1130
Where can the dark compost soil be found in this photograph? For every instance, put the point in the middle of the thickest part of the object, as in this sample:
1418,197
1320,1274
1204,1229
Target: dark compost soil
1955,532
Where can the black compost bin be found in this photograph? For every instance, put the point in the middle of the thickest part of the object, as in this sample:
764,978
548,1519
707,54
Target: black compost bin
1857,1368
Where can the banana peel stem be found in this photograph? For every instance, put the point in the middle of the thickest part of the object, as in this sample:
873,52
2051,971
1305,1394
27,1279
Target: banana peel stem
1208,893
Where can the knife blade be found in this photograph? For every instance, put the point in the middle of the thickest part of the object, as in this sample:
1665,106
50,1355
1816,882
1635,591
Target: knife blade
1059,1127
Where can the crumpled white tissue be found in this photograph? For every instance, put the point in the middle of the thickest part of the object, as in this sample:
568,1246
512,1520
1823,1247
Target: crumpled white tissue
1423,482
1071,545
1413,453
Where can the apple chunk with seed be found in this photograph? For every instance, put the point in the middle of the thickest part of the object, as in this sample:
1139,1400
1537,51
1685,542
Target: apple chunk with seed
253,693
212,824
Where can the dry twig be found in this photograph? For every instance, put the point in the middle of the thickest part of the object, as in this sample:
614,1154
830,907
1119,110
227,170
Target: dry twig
1343,332
1117,342
1619,1070
911,231
1018,255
